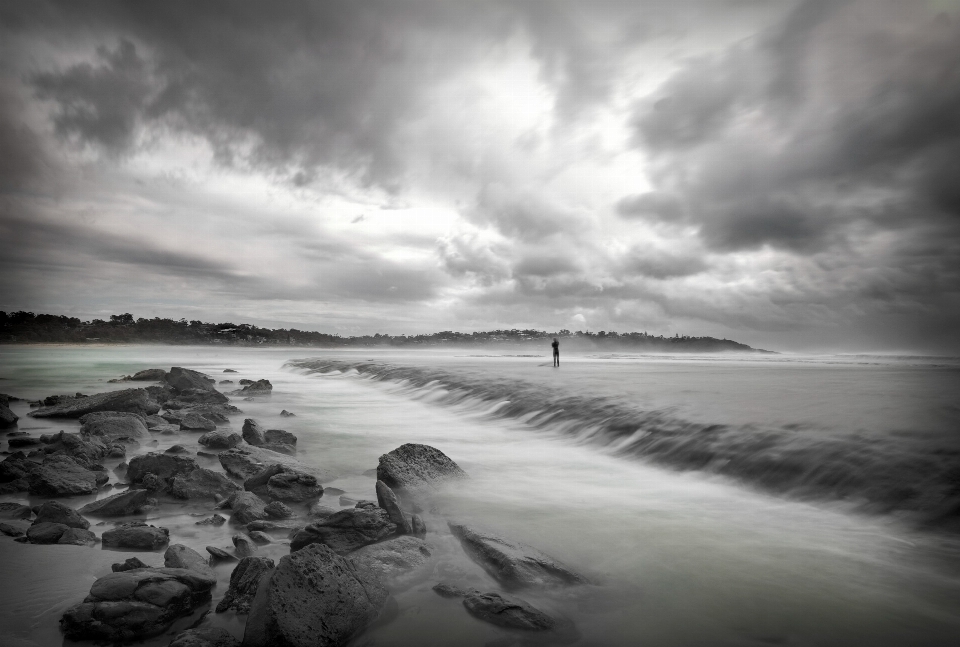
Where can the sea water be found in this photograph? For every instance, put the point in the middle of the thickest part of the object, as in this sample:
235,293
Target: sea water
708,500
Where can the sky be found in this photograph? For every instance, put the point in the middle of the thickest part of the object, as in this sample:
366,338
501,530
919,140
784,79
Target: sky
783,173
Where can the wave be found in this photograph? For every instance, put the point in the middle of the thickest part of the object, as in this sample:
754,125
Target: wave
881,473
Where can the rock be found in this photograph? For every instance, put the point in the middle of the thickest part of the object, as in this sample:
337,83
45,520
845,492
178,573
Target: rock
283,483
229,370
253,433
220,554
180,556
260,387
392,558
60,476
23,441
165,466
129,400
128,565
245,381
136,534
347,530
77,537
345,500
177,449
7,417
215,520
246,507
205,637
56,512
196,422
154,421
225,382
184,379
136,604
509,611
387,500
244,581
194,397
287,414
245,547
46,532
220,440
118,505
111,426
11,510
88,450
280,448
278,510
513,564
202,483
419,528
412,469
259,537
450,591
14,528
149,375
279,437
246,461
168,430
153,483
260,525
321,511
314,598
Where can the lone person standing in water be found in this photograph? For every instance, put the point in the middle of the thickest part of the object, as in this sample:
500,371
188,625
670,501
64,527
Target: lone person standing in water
556,352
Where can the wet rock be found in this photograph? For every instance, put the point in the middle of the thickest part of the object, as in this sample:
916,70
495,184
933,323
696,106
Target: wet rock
194,397
205,637
446,590
196,422
244,581
278,510
260,387
347,530
247,461
261,525
314,598
153,483
511,612
229,370
136,534
154,421
259,537
419,528
513,564
220,554
46,532
287,414
128,400
77,537
167,430
62,476
245,381
246,507
11,510
88,450
18,442
165,466
392,558
225,382
202,483
279,437
177,449
56,512
412,469
149,375
279,482
180,556
136,604
253,433
220,440
215,520
185,379
15,471
118,505
8,418
321,511
387,500
128,565
244,545
14,528
111,426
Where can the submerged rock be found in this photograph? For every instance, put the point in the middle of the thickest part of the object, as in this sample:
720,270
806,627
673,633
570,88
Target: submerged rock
260,387
128,565
129,400
205,637
347,530
215,520
392,558
287,414
279,437
11,510
512,612
314,598
413,468
244,581
280,482
136,534
180,556
149,375
196,422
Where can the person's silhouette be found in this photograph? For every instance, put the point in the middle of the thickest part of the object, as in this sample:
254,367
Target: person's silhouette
556,352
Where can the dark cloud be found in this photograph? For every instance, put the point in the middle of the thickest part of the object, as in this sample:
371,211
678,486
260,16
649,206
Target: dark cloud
653,205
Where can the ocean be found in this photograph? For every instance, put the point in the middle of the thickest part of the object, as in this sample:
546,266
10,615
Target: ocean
711,500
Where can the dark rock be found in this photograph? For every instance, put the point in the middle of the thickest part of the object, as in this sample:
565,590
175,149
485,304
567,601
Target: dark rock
11,510
225,382
88,450
371,473
7,417
136,604
184,379
112,425
177,449
279,482
260,387
387,500
244,545
513,564
130,400
220,440
60,476
321,511
450,591
56,512
168,430
253,433
77,537
347,530
240,462
153,483
245,381
419,528
180,556
314,598
215,520
509,611
259,537
194,397
246,507
149,375
412,469
46,532
279,437
196,422
15,470
165,466
154,421
14,528
202,483
118,505
287,414
229,370
244,581
261,525
392,558
220,554
136,534
278,510
23,441
205,637
128,565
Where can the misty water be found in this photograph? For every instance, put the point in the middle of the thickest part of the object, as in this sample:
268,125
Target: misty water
661,479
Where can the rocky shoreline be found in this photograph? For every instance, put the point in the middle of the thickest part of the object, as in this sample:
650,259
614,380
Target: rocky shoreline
346,560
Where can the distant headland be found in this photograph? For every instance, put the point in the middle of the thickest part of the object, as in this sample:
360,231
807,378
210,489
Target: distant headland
29,328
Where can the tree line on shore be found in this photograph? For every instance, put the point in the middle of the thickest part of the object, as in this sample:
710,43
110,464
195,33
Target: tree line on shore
27,327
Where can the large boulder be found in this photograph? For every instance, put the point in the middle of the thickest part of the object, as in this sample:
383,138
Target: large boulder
220,440
347,530
282,483
56,512
246,507
412,469
244,580
46,532
61,475
114,425
243,545
202,483
164,465
118,505
185,379
149,375
136,534
513,564
180,556
15,471
130,400
87,450
253,433
205,637
7,417
136,604
393,558
314,598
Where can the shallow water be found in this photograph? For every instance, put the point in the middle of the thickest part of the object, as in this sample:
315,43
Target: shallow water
675,558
